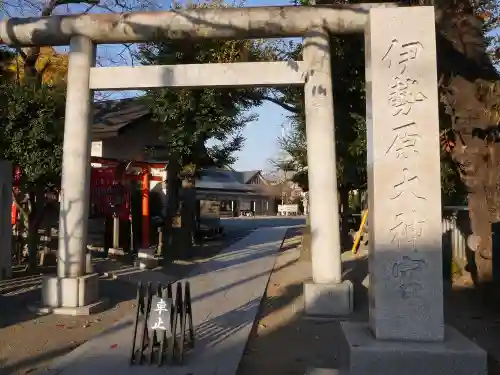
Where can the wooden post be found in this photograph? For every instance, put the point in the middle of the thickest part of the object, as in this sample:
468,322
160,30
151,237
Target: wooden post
145,207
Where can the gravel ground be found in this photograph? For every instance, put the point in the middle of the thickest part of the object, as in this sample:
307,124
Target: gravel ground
29,342
285,342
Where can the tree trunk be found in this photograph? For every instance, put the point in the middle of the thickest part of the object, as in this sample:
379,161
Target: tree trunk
171,217
468,93
188,215
35,216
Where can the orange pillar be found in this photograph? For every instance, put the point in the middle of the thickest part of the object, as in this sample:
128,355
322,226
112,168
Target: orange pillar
145,207
13,214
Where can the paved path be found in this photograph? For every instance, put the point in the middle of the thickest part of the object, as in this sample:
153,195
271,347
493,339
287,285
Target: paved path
226,294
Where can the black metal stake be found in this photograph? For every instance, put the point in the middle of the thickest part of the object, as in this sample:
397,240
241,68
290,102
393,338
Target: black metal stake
172,342
189,314
170,295
182,315
144,336
138,303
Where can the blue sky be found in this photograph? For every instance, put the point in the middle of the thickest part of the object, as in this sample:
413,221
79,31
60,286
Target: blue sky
261,138
261,143
262,135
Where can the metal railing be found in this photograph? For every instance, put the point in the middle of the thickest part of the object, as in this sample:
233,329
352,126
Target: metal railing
455,226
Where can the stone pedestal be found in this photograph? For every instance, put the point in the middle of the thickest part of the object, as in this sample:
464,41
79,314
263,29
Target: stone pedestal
5,220
116,252
454,355
406,331
71,295
147,259
328,299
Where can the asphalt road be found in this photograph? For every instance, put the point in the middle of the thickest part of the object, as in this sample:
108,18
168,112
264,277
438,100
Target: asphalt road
237,228
248,224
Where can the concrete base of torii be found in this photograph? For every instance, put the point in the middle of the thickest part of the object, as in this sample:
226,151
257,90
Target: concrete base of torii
329,299
71,295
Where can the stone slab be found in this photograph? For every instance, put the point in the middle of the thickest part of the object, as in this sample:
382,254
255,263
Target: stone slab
275,73
116,252
147,259
404,185
90,309
455,355
226,295
329,299
148,253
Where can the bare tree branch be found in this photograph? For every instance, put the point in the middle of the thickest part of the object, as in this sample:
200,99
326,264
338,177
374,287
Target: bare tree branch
280,103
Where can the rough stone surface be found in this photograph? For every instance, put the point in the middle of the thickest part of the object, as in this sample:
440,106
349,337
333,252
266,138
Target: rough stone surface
75,181
405,261
246,23
277,73
455,355
322,171
328,299
5,219
226,294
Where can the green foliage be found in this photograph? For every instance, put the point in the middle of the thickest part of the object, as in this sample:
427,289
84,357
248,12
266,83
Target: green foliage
350,127
453,190
31,131
191,117
489,12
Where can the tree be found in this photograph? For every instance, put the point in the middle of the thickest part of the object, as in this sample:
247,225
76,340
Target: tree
191,117
350,128
32,124
32,127
469,113
51,67
469,101
32,108
348,86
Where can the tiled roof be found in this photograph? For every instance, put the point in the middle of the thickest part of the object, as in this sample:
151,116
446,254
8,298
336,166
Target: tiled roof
241,177
217,178
113,115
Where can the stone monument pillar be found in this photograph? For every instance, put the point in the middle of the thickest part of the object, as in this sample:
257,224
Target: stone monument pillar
327,294
5,219
406,332
73,291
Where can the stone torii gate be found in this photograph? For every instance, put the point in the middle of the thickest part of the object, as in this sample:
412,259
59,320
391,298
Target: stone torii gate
406,330
74,291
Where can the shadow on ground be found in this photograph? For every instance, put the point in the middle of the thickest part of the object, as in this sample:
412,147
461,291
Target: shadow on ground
286,342
292,343
117,283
